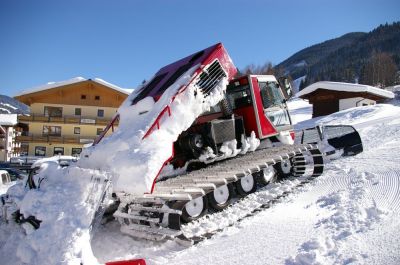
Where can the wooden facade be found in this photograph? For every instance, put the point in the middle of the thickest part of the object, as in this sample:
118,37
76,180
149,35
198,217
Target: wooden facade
326,101
66,117
86,93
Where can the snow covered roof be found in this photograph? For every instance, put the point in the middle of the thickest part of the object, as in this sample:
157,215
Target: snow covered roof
8,119
346,87
51,85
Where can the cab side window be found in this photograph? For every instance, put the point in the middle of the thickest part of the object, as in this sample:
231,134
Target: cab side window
239,97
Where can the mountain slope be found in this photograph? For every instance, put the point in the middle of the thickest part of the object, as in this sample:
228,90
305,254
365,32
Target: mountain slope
9,105
300,61
343,58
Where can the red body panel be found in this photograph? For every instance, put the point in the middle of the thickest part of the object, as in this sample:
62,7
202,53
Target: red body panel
249,119
208,56
163,78
128,262
266,127
167,75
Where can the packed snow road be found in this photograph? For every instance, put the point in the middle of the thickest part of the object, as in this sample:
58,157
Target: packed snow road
349,215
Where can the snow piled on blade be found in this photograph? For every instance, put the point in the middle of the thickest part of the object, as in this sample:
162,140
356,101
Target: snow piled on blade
65,203
136,161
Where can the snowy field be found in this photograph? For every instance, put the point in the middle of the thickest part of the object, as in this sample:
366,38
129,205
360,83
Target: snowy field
349,215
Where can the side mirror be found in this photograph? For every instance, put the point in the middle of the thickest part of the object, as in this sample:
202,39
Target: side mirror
286,87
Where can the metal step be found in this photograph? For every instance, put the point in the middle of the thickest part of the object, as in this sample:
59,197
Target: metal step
136,217
159,230
139,207
168,196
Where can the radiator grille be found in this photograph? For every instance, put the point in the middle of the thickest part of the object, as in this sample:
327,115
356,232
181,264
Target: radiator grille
210,77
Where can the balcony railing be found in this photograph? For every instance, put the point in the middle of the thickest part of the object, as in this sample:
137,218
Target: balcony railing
65,119
65,139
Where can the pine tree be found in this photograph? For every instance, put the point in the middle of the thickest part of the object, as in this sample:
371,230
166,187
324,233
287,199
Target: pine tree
380,71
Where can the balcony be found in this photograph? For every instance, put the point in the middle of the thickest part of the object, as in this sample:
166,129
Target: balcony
65,139
64,119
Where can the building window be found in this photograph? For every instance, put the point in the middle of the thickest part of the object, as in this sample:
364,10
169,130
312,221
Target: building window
99,131
100,113
77,130
51,130
83,96
58,150
97,98
78,111
52,111
76,151
40,151
24,149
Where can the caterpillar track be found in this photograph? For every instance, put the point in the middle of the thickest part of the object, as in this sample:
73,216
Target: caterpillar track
163,214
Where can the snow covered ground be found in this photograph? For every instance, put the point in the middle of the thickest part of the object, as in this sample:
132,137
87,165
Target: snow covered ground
349,215
5,187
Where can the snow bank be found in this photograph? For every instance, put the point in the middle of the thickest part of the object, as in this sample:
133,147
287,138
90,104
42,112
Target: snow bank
65,202
8,119
353,212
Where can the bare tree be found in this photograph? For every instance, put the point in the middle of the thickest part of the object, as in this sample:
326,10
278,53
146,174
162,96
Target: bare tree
265,69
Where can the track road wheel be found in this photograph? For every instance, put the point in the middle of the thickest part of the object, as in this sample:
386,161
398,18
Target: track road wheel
220,197
246,185
284,168
194,209
266,176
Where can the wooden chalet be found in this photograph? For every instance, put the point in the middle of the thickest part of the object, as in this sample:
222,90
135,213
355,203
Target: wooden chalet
329,97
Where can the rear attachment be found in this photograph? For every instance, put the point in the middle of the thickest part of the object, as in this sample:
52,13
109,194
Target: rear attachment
334,140
164,214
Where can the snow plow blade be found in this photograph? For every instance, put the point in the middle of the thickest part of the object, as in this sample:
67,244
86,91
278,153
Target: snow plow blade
343,138
128,262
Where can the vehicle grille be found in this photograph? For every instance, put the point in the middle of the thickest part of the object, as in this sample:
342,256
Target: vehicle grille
210,77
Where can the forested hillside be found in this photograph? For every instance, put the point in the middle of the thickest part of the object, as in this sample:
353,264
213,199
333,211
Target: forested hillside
370,58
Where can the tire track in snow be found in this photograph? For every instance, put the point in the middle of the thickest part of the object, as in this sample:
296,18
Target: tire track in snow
358,200
385,189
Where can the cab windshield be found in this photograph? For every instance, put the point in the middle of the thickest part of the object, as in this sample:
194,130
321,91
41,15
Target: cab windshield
270,94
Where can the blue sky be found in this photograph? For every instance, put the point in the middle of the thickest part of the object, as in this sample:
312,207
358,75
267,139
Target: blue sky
125,42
